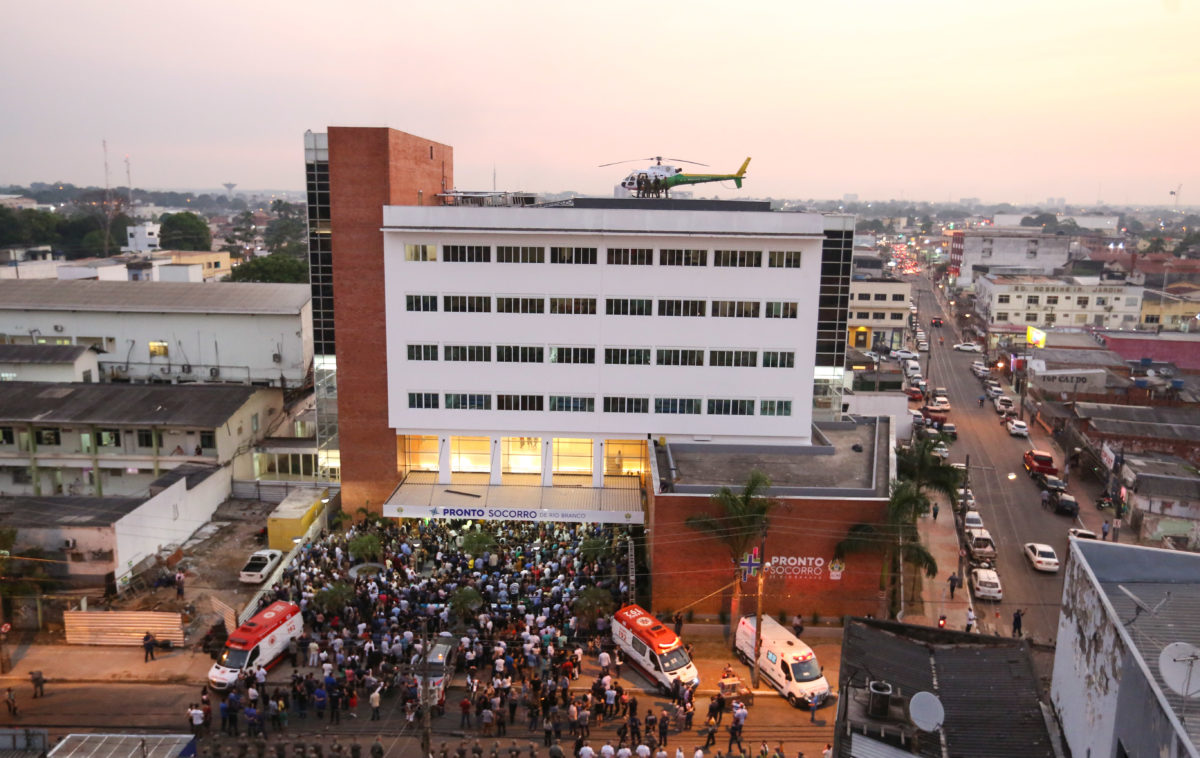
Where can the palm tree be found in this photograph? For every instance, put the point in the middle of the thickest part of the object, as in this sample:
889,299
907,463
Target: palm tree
926,471
477,543
897,540
742,523
365,547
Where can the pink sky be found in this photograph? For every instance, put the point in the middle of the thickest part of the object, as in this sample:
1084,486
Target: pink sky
1014,101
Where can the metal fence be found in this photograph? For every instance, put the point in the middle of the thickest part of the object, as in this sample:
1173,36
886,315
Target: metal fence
121,627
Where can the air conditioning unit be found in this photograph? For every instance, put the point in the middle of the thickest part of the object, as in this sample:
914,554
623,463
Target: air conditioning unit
58,327
165,370
214,372
277,357
68,544
185,369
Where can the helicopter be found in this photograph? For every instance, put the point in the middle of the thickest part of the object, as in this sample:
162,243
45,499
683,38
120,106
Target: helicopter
657,180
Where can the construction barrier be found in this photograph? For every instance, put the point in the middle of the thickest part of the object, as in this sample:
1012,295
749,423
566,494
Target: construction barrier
121,627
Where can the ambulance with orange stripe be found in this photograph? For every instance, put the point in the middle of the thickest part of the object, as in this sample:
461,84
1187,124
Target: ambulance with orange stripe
261,641
652,648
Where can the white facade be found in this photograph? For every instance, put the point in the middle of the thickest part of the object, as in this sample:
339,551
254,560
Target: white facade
261,333
104,270
649,387
1046,302
141,238
1029,251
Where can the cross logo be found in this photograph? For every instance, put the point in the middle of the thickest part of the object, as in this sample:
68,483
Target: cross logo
750,564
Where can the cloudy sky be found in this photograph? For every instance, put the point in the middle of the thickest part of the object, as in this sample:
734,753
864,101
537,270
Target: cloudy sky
1019,101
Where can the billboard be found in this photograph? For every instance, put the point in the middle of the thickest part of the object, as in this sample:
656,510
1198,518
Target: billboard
1035,337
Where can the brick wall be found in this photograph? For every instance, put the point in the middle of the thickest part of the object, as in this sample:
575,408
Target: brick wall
368,169
687,565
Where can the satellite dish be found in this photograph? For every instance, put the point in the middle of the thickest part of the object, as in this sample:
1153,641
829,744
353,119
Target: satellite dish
1177,666
925,711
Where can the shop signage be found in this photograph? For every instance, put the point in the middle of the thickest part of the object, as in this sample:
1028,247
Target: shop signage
805,567
485,513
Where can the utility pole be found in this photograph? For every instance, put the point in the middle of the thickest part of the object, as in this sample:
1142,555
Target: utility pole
426,694
632,570
762,573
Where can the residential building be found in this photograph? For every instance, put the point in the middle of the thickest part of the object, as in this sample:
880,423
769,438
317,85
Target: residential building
97,269
993,250
916,690
1011,303
116,439
48,363
1163,494
1118,674
878,312
168,331
1174,310
141,238
215,264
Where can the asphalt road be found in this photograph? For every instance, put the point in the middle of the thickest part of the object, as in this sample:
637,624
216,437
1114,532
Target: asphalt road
1011,508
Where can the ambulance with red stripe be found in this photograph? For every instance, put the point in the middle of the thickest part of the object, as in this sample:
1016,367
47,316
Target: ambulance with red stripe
652,648
258,642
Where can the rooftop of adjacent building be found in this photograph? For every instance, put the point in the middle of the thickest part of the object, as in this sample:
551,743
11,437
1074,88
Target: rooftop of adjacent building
203,406
42,354
153,297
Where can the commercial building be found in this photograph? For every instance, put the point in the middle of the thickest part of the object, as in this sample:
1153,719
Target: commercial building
116,439
168,331
976,251
1008,304
1127,642
878,312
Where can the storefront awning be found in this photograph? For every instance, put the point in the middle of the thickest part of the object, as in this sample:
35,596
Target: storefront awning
606,505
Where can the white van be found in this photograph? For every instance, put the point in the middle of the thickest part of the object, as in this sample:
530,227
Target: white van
912,367
784,661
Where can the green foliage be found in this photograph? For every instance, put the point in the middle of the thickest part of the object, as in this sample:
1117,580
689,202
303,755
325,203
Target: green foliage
1157,245
365,547
594,549
286,236
284,269
465,602
184,231
592,604
742,517
334,598
925,470
476,543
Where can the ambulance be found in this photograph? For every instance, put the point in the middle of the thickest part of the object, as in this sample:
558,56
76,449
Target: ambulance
784,661
258,642
652,648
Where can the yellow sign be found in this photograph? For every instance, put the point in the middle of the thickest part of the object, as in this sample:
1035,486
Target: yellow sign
1035,337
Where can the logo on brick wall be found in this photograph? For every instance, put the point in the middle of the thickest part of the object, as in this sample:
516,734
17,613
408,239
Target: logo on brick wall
750,564
836,567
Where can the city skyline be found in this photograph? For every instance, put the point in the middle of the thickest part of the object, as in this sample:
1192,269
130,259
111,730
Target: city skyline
932,102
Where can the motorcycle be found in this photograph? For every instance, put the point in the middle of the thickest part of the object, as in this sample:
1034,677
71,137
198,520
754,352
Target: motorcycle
1104,502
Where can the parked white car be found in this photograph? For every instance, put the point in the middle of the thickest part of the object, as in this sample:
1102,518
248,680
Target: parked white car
940,404
985,584
904,355
923,347
1041,557
972,520
260,566
1018,428
968,347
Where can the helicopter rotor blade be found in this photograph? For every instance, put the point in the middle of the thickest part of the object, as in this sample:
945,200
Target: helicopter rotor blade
631,160
681,160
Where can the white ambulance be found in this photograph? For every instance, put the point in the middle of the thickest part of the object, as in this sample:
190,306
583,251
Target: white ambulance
258,642
652,648
784,661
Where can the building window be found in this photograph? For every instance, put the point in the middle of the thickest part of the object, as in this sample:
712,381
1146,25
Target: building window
785,259
1152,318
623,306
467,253
627,356
1049,318
208,440
520,305
1101,302
422,352
6,435
738,258
462,401
48,436
681,307
686,406
572,456
422,400
625,256
674,357
878,316
862,314
1002,299
626,405
683,257
518,402
1051,299
775,408
476,353
720,407
572,255
863,296
779,359
146,439
898,297
1002,316
509,254
732,358
466,303
572,355
735,308
880,297
254,422
420,253
1031,317
569,404
420,302
1033,300
518,354
896,316
578,305
158,349
781,310
108,437
1082,302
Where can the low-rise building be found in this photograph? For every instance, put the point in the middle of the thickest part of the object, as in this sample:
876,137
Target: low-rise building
169,331
48,363
976,251
215,264
878,313
1047,301
116,439
141,238
1176,309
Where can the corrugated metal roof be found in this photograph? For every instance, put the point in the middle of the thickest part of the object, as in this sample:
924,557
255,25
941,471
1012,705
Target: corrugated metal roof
1143,413
153,297
203,406
41,353
1183,487
1145,429
29,512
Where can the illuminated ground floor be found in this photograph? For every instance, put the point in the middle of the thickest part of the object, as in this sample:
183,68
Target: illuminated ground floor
529,460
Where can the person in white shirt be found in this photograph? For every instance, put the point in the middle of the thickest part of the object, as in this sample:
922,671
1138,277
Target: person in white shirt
607,751
587,752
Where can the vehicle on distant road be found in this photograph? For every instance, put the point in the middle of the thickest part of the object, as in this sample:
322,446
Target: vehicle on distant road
941,451
1065,503
968,347
1017,428
993,391
939,404
923,346
1002,403
904,355
950,430
936,321
914,393
972,520
1050,482
985,584
1081,533
1041,557
980,545
1039,462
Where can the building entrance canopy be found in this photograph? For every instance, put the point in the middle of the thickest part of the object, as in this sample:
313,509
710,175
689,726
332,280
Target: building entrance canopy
606,505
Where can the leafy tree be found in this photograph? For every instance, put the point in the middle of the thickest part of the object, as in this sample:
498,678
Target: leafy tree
286,235
283,209
334,598
464,603
476,543
897,540
592,604
740,525
594,549
926,471
365,547
272,268
184,231
1157,245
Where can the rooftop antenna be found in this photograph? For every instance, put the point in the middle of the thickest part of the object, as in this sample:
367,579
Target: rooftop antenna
926,712
129,179
108,213
1175,193
1141,605
1176,665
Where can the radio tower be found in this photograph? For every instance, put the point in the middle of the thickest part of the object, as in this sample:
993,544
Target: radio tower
108,213
129,180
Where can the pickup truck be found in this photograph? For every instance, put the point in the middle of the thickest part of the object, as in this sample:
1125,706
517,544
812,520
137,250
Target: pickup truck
1040,462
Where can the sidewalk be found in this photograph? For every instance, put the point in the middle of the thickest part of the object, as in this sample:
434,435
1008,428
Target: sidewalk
941,539
95,664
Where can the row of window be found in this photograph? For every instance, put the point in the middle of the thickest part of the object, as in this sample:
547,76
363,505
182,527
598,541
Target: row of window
879,315
146,438
616,256
613,356
879,297
609,404
1051,318
1081,301
613,306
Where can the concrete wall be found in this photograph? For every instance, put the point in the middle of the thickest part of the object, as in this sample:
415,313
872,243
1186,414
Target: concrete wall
168,518
236,437
52,539
893,404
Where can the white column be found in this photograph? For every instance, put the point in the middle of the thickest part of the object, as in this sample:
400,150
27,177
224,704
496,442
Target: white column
444,460
597,463
494,476
547,461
